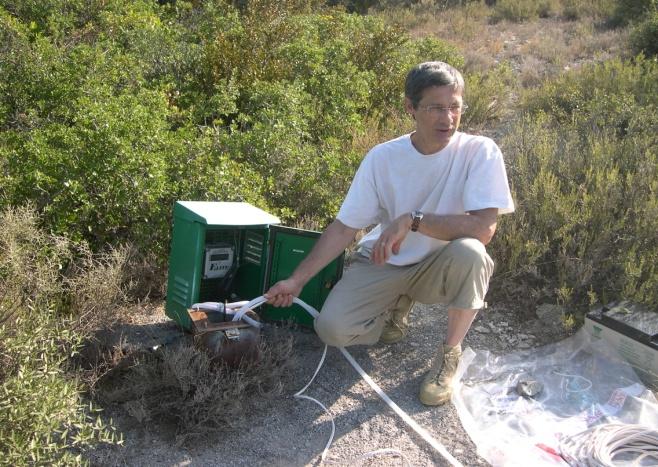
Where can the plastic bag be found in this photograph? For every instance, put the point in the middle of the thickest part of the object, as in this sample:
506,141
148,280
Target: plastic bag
582,382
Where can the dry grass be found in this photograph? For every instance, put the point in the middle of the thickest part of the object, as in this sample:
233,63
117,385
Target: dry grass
563,35
457,26
478,60
30,263
532,72
95,284
180,389
44,271
548,46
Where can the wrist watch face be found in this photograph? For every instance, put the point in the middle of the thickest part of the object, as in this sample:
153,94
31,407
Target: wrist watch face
416,217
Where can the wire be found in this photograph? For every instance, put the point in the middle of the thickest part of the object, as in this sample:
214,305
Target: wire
566,383
600,445
228,309
568,390
411,422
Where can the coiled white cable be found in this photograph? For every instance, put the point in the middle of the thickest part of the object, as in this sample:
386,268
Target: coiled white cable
411,422
600,445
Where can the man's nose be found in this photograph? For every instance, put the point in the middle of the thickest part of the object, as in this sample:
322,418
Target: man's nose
445,115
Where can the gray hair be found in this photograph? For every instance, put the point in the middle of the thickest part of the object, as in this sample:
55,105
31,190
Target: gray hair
430,74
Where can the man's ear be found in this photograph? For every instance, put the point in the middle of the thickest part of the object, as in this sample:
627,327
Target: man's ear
409,107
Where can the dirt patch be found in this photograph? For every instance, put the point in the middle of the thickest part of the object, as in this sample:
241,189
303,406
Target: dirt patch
289,432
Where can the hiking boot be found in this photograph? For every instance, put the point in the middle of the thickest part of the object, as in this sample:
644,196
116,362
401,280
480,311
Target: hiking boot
437,385
397,324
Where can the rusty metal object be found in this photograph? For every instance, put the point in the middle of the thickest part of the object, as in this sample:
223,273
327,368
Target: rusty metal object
230,342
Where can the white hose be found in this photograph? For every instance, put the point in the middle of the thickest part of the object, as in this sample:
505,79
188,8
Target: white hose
417,428
228,309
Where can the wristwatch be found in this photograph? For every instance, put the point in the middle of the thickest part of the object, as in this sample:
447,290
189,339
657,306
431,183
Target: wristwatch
416,217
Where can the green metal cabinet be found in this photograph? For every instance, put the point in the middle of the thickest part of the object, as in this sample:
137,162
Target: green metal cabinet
222,251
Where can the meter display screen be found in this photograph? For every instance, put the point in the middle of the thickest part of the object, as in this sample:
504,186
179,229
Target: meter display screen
219,260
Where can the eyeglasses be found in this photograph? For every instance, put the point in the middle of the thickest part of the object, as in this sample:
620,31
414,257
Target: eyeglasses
436,110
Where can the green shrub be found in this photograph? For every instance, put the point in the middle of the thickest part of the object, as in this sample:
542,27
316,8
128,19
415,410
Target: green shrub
598,9
104,131
102,178
528,10
515,10
488,96
569,97
304,92
644,36
583,169
44,419
55,18
629,11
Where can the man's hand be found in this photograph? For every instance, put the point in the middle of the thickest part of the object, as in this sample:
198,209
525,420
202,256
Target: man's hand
282,293
390,239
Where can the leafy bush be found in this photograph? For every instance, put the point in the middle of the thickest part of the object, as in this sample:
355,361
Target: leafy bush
644,36
488,96
103,131
599,9
43,418
515,10
528,10
583,167
629,11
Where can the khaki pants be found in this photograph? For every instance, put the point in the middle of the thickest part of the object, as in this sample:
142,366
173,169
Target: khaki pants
357,308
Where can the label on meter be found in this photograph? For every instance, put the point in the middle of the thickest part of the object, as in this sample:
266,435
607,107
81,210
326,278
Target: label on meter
219,259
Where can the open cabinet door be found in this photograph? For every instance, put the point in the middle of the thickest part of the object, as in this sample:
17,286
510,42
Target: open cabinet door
287,248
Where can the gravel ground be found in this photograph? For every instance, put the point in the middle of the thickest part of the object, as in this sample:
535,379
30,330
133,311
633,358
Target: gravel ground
292,432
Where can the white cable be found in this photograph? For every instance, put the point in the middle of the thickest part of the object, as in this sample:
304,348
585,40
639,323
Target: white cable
598,446
256,302
299,395
228,309
218,306
209,306
233,305
411,422
565,384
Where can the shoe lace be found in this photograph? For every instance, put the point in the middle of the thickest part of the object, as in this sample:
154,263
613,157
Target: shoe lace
394,324
449,366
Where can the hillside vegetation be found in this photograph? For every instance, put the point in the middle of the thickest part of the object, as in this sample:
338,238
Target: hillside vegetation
111,110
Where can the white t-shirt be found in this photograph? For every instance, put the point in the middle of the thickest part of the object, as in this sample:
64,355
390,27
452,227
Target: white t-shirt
394,178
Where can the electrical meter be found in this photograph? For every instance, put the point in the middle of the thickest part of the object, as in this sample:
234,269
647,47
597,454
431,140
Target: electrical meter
219,260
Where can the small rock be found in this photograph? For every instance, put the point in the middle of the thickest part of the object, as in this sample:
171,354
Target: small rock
482,329
550,314
523,345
